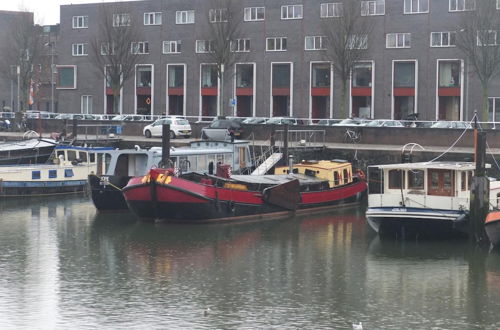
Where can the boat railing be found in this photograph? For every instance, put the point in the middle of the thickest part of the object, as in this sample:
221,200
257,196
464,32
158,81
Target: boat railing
30,135
314,138
398,200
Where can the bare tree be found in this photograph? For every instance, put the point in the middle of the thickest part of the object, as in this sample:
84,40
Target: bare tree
477,39
111,49
347,34
21,56
224,38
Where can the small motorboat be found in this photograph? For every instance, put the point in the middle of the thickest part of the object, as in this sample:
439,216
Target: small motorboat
492,227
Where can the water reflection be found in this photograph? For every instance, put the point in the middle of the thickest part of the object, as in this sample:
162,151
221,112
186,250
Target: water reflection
62,265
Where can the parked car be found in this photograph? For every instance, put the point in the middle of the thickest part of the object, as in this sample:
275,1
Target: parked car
451,124
71,116
283,121
129,117
221,130
384,123
326,122
36,114
255,120
178,127
352,122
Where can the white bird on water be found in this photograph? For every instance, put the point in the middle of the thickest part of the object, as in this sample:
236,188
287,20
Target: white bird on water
358,326
206,311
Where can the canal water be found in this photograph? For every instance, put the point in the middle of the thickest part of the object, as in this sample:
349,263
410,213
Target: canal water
63,266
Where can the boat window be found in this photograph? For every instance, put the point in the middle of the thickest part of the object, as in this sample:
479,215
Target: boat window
92,157
52,174
396,179
211,159
107,161
434,180
83,156
184,163
228,159
68,173
310,172
35,175
416,179
192,163
498,200
220,158
469,179
336,178
447,180
60,153
463,181
202,163
346,176
71,155
121,167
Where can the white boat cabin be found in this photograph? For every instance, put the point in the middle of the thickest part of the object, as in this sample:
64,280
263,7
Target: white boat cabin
435,185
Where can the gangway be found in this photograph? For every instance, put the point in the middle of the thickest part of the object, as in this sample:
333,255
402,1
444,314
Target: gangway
268,164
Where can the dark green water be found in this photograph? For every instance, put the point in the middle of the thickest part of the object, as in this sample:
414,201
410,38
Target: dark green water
62,266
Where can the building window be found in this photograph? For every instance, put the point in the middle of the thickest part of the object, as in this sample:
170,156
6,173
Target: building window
416,6
357,41
143,76
320,75
404,74
315,43
486,38
80,22
86,104
244,75
217,15
107,49
277,44
172,47
449,73
291,12
152,18
80,49
121,19
494,109
208,75
175,76
398,40
204,46
443,39
462,5
372,8
141,47
184,17
240,45
335,9
362,75
66,77
255,14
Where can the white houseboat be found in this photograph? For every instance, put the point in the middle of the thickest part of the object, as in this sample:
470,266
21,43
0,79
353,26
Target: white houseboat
422,199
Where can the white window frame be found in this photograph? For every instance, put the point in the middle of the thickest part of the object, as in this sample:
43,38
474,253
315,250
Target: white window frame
372,103
139,47
436,92
415,101
184,88
172,47
357,41
404,37
371,8
277,49
152,86
331,9
121,19
80,49
184,17
271,105
251,14
89,107
417,10
105,49
292,12
207,46
240,45
318,43
58,67
80,22
498,4
480,43
254,88
330,97
153,18
441,35
218,15
462,5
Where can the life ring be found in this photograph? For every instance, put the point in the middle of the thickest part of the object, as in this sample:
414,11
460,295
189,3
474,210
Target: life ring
361,174
148,101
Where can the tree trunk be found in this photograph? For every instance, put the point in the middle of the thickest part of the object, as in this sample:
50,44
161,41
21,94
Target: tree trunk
343,100
485,103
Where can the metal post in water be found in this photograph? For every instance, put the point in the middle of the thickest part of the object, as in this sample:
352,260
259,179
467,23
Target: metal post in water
165,144
285,145
480,190
290,164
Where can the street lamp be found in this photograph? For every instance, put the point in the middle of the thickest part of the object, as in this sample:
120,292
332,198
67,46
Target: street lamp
51,45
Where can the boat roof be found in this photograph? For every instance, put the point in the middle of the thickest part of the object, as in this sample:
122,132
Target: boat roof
27,144
446,165
91,149
276,179
322,164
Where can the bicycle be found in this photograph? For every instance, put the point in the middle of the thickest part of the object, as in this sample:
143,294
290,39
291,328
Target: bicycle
352,136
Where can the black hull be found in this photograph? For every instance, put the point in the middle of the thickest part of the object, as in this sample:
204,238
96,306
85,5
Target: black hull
416,228
493,232
224,211
106,192
40,191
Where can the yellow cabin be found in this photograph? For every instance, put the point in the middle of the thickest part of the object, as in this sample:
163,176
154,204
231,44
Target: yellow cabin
337,172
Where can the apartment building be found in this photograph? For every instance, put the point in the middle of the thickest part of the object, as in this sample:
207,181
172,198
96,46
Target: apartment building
412,63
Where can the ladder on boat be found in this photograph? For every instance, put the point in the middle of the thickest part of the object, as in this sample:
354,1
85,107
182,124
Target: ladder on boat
268,163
